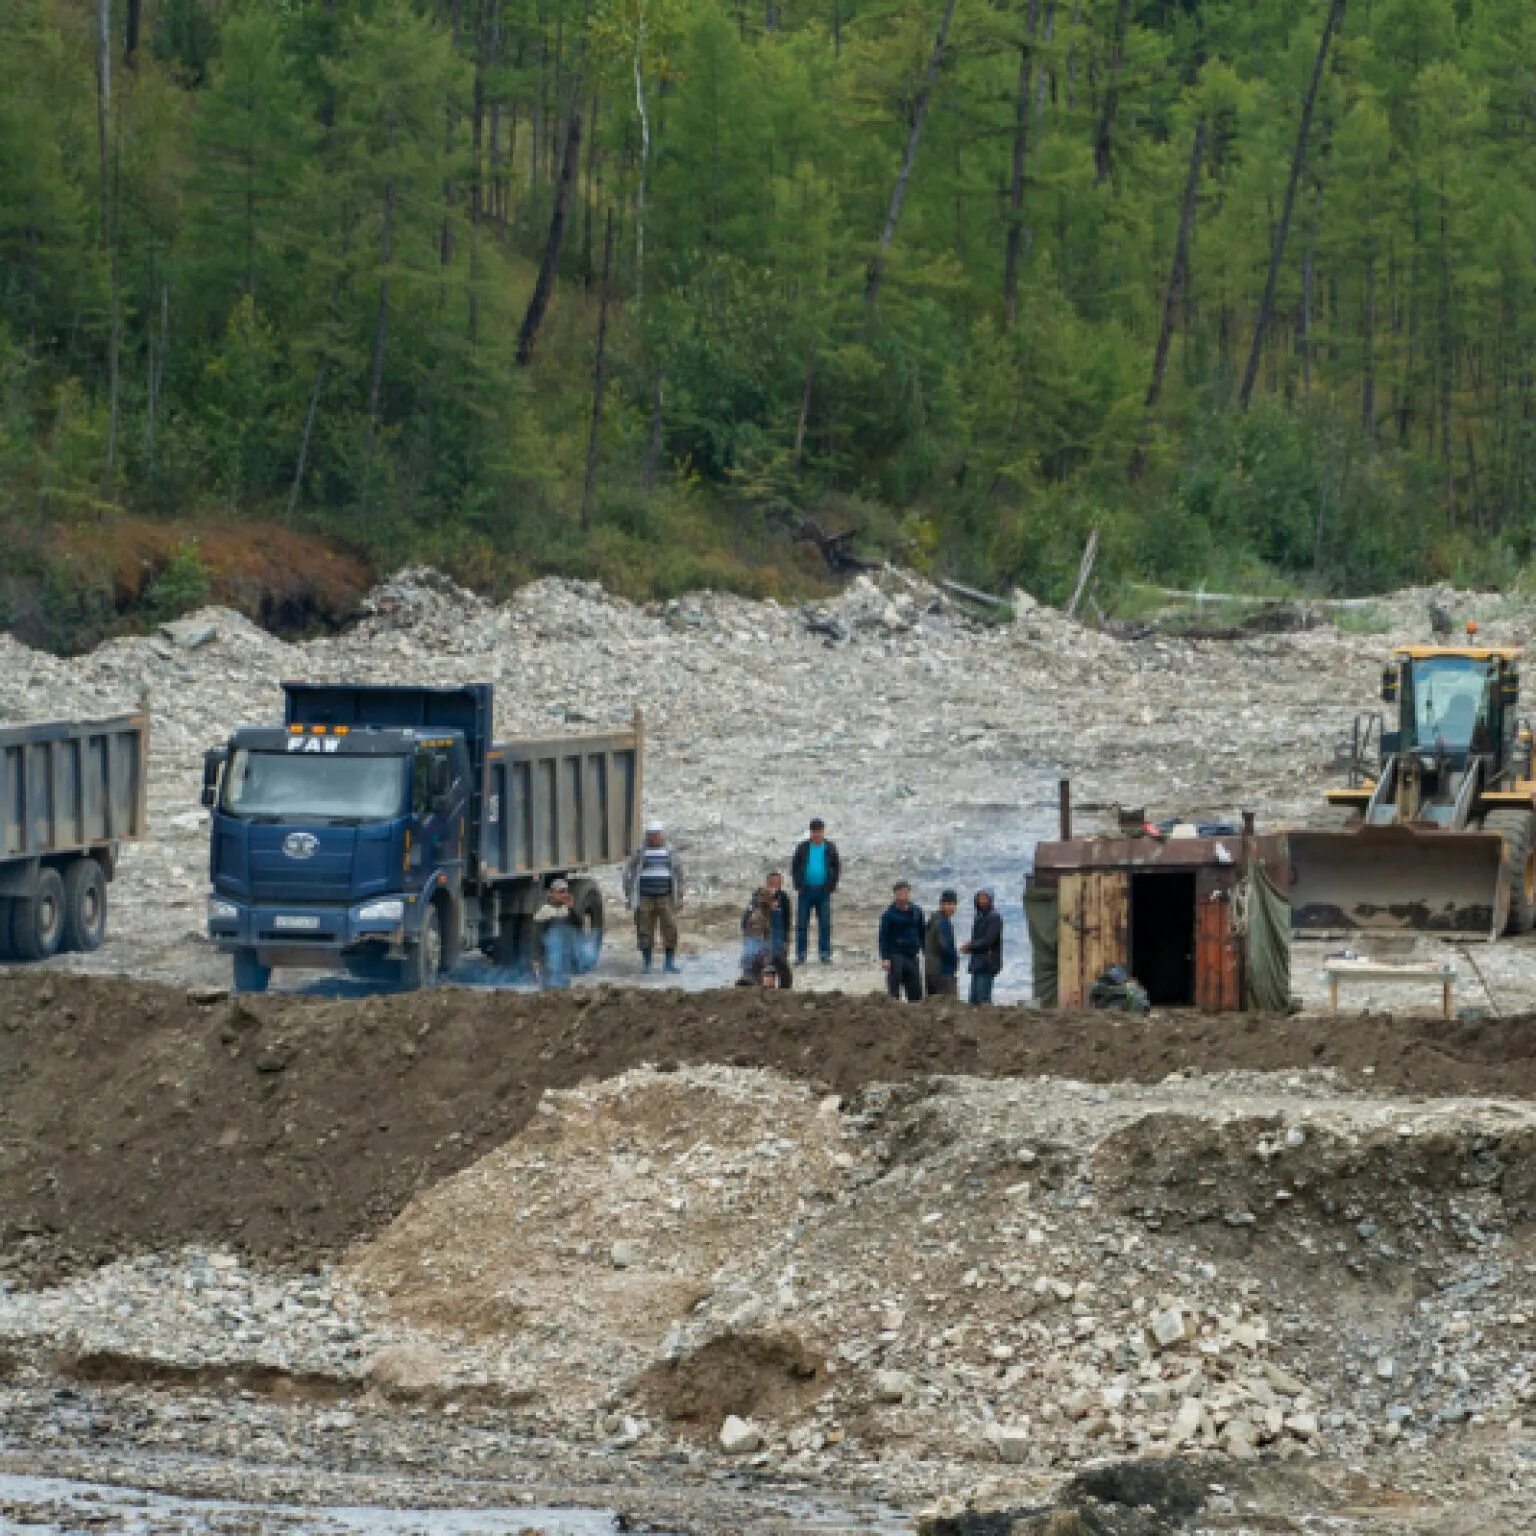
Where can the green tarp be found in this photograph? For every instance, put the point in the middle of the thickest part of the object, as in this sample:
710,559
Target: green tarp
1040,909
1267,974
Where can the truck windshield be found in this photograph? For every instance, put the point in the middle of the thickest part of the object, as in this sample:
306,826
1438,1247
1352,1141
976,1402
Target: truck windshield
283,786
1451,698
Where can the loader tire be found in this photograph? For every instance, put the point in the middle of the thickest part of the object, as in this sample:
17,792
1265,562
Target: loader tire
1518,829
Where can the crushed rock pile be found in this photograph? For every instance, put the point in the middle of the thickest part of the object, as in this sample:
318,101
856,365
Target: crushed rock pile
1014,1274
927,739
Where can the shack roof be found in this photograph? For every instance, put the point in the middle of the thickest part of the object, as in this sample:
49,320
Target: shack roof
1133,854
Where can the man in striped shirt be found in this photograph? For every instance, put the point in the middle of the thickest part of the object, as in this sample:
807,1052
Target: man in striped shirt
653,887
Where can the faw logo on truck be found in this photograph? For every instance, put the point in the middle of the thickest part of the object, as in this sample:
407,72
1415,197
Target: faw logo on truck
313,744
300,845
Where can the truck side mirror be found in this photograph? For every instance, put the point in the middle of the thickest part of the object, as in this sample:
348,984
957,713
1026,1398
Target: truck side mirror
1389,685
213,760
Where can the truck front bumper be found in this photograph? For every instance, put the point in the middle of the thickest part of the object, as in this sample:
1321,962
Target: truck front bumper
300,935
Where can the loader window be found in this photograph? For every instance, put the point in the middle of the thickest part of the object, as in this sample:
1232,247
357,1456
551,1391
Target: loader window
1452,697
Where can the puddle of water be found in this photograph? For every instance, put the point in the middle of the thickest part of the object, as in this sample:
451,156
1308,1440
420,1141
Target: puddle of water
59,1506
52,1506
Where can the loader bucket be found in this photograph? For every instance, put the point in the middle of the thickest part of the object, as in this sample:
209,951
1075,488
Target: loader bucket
1399,877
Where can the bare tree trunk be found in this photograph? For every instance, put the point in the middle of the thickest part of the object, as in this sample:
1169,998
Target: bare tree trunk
599,378
544,285
380,339
803,421
589,192
104,134
1013,251
645,160
1103,139
104,115
299,467
1178,279
653,444
131,32
909,156
157,351
1277,249
1368,379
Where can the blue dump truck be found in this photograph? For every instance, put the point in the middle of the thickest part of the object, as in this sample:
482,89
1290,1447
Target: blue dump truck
72,792
381,831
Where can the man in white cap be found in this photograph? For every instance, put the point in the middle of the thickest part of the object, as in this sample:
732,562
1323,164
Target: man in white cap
653,887
555,925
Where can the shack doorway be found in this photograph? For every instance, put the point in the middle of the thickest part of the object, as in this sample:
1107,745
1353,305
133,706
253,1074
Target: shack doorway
1163,936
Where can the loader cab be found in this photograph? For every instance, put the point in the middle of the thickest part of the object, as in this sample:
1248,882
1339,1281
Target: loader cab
1454,704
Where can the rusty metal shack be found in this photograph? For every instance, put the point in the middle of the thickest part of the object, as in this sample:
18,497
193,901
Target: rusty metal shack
1200,922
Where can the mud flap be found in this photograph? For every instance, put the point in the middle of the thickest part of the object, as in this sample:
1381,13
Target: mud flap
1399,877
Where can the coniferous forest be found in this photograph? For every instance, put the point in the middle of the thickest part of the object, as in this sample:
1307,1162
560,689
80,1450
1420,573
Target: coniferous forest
690,292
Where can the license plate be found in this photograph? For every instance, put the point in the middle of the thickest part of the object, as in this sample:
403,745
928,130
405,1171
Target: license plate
301,924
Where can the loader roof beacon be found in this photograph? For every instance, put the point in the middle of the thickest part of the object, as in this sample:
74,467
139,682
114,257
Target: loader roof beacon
1435,829
381,831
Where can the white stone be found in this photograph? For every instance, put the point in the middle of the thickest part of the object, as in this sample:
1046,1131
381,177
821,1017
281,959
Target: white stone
740,1437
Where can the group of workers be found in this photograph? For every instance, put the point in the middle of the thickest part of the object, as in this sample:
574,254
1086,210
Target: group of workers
919,954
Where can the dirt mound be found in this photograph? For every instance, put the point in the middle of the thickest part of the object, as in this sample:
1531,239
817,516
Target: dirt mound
766,1376
607,1218
135,1116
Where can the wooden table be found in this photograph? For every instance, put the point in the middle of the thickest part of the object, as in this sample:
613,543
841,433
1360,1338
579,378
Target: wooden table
1369,970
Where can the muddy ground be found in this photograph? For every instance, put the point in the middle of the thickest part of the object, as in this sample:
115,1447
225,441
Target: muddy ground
136,1116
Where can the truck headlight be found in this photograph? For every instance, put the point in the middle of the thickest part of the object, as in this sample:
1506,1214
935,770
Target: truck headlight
391,910
222,911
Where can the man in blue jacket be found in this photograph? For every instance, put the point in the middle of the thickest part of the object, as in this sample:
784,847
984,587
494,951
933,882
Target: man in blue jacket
902,927
815,871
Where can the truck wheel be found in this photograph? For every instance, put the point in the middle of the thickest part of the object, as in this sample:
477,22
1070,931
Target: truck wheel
588,907
1518,829
250,974
37,921
423,962
85,906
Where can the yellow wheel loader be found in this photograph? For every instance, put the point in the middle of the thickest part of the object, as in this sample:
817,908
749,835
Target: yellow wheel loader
1436,829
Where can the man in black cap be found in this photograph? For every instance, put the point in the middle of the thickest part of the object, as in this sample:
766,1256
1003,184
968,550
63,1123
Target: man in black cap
901,944
816,870
941,955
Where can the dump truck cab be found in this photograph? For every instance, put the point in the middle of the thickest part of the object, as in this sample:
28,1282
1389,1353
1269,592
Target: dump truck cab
336,840
1436,827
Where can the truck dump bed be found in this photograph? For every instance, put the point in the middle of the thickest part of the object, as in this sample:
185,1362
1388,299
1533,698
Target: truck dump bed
568,802
68,785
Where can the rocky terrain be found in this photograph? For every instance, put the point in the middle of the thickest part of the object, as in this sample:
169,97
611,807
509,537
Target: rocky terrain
931,741
711,1261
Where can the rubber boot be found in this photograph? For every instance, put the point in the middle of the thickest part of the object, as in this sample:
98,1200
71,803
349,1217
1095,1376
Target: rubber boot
672,967
645,959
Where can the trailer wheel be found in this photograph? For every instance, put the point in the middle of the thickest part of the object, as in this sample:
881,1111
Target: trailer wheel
1518,829
423,963
587,904
250,974
37,921
85,906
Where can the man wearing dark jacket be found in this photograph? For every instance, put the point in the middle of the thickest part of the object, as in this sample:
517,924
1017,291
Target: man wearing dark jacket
985,947
901,944
815,871
765,926
941,957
